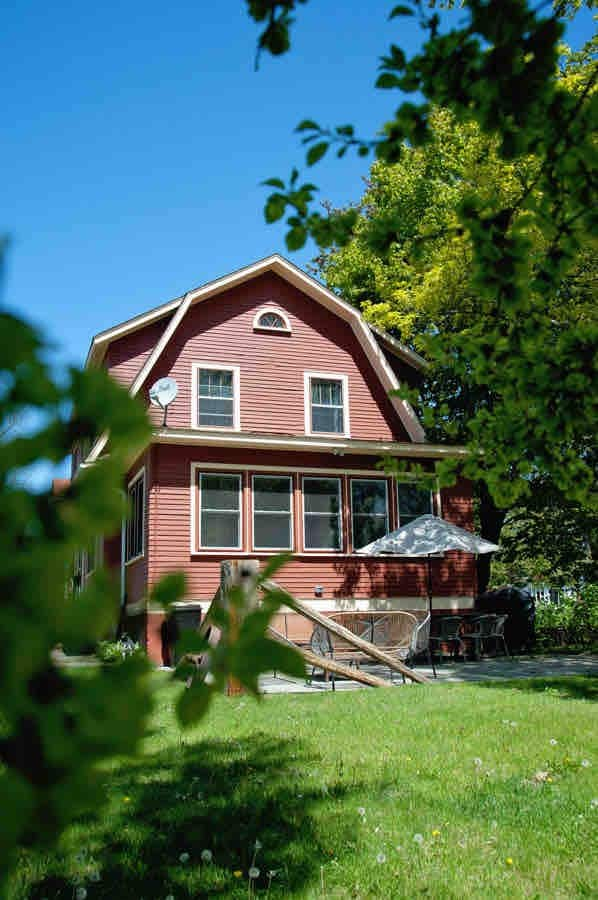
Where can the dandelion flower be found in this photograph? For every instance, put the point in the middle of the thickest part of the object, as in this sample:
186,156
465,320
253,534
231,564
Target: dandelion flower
126,799
361,810
549,779
585,763
80,893
254,872
477,762
206,856
436,832
237,873
381,858
184,857
553,742
509,861
418,838
594,803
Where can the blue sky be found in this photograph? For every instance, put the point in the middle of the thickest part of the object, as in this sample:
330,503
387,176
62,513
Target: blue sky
136,136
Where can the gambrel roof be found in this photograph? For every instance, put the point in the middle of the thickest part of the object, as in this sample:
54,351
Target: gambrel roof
177,309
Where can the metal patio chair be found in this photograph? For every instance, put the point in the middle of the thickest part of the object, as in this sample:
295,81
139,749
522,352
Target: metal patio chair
449,634
394,633
481,630
498,633
420,644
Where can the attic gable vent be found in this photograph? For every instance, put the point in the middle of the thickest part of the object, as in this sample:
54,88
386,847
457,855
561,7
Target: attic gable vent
271,319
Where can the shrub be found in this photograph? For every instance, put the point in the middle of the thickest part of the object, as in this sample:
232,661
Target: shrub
572,621
117,651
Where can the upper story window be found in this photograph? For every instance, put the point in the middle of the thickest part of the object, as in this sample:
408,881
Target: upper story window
413,501
215,396
134,534
369,510
271,319
326,404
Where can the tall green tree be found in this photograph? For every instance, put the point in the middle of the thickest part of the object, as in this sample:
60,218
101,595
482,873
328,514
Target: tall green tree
421,287
496,65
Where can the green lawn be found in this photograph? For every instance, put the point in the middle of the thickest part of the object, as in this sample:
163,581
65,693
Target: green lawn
440,791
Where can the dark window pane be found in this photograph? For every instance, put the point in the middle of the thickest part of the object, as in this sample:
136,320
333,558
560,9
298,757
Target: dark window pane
213,420
220,492
271,320
322,532
271,531
321,495
134,530
369,497
326,393
215,383
271,493
327,420
219,529
367,529
414,501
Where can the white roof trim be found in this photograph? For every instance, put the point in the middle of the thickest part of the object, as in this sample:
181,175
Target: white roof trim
300,280
339,446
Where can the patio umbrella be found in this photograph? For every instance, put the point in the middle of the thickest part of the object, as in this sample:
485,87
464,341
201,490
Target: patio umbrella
426,536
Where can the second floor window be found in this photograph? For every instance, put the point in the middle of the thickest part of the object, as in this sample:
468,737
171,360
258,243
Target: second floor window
326,404
217,397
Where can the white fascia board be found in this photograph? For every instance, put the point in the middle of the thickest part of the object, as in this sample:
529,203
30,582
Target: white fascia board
337,446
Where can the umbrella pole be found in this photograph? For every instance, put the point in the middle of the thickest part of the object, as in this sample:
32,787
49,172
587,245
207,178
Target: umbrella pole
430,585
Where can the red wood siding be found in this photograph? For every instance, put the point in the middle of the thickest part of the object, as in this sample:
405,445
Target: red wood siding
220,330
341,576
126,356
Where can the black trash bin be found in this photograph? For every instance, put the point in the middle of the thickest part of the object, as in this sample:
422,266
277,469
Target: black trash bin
519,605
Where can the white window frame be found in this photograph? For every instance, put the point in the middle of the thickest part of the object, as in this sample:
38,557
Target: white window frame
434,499
217,367
127,521
326,376
271,309
361,480
339,481
272,512
239,476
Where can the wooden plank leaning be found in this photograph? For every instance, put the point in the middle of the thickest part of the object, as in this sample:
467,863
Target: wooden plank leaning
366,647
331,665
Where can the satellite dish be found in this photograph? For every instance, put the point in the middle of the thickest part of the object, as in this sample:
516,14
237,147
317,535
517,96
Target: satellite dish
162,393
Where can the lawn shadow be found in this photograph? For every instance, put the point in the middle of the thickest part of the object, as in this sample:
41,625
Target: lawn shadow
568,687
218,796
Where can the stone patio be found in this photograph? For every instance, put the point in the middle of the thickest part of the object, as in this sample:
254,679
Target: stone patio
492,668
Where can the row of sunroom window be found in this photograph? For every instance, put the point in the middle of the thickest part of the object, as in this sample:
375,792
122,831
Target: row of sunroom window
319,513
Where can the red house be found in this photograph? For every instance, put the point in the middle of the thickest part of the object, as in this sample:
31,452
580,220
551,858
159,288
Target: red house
282,413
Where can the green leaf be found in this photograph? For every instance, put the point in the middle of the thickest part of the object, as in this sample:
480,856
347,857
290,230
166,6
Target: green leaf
296,238
400,11
275,182
387,81
316,152
170,588
193,703
281,658
275,207
307,125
